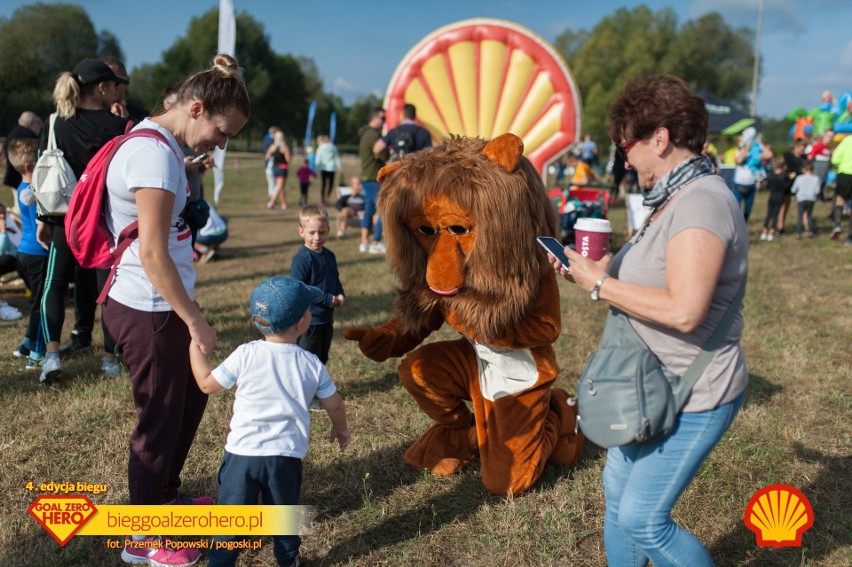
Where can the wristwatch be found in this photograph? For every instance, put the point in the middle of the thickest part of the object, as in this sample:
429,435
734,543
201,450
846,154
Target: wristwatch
594,294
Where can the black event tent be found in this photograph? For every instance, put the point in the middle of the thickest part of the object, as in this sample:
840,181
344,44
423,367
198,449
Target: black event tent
725,119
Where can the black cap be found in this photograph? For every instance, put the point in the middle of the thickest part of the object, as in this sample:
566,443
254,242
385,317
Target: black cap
93,71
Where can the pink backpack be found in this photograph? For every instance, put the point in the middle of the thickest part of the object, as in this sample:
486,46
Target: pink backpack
86,230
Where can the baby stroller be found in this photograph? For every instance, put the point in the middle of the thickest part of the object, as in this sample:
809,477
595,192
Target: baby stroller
573,203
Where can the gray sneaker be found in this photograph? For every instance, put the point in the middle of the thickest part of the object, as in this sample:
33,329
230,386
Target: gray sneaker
34,363
51,370
110,368
377,248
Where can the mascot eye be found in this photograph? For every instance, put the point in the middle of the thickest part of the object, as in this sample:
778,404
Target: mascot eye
457,230
427,230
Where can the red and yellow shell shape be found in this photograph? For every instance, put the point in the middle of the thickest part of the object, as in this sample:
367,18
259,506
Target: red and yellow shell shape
484,77
778,515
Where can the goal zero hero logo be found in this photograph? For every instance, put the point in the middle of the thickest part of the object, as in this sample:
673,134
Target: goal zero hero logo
62,515
778,515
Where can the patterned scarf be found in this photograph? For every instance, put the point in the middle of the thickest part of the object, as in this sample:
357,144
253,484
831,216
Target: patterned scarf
670,183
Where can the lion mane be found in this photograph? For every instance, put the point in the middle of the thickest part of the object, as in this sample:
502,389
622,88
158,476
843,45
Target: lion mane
509,208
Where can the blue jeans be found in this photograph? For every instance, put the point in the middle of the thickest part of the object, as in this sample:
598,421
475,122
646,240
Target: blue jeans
371,193
643,481
745,193
241,479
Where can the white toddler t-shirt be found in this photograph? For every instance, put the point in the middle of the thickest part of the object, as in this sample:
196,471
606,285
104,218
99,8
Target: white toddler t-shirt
275,385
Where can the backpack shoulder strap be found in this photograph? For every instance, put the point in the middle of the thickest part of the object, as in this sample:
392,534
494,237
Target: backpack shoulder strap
51,137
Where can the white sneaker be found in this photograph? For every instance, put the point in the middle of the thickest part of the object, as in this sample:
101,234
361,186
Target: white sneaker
341,234
51,369
764,236
770,237
377,248
363,247
9,313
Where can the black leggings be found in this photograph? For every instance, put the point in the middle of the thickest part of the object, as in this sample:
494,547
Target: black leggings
8,264
32,269
327,183
773,207
62,269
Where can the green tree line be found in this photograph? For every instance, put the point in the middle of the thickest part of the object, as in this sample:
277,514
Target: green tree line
707,52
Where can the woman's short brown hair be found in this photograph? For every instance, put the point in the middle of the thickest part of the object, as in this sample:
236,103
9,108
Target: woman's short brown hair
651,102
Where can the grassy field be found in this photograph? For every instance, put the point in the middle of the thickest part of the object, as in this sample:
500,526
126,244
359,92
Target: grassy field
371,510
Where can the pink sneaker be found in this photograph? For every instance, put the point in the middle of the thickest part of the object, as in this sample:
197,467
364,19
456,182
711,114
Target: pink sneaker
152,550
184,498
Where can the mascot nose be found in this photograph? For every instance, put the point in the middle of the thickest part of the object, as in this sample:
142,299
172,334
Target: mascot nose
445,268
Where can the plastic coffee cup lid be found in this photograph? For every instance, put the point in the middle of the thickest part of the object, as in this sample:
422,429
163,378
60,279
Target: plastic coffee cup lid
593,225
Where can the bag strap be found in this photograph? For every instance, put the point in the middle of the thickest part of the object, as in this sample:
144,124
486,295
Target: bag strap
51,138
696,369
125,239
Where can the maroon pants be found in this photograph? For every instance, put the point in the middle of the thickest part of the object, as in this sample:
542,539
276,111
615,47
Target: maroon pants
169,405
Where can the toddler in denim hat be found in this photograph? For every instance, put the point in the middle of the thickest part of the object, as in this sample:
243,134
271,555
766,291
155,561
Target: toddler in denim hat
276,381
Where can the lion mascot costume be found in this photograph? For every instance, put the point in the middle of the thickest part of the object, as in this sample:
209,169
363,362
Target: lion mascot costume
461,221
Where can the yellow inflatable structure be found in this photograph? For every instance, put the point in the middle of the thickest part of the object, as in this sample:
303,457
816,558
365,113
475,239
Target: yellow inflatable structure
484,77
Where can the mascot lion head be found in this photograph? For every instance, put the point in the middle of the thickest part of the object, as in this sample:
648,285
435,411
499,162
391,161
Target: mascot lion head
461,221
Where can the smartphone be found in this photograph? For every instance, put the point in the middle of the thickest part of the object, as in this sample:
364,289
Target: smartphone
199,158
554,247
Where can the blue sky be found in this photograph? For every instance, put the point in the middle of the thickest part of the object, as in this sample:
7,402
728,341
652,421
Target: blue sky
806,47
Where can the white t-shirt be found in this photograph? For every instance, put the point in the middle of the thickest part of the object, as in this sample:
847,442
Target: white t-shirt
275,385
147,162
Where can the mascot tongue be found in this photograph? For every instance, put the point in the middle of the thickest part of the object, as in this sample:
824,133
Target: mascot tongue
442,292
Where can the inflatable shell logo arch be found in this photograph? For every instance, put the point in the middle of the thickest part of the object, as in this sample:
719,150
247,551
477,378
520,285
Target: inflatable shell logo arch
484,77
778,515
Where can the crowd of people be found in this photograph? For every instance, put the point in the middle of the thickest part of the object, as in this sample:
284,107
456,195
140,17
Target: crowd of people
800,174
674,281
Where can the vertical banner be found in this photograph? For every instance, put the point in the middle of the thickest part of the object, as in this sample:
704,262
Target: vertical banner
309,150
227,39
332,127
312,110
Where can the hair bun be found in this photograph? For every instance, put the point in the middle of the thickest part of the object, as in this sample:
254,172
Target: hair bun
226,65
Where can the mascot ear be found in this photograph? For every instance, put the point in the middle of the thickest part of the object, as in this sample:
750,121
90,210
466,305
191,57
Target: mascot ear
505,150
387,170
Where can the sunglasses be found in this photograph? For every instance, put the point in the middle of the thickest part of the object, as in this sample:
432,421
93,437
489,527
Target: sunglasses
626,147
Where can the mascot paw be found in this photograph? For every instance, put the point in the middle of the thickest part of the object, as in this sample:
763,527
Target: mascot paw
446,467
443,451
374,343
569,444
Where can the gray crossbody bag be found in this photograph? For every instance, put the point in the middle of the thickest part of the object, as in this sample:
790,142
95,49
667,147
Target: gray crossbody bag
626,394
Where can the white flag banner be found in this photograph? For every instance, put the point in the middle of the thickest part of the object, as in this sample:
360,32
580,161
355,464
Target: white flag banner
227,39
